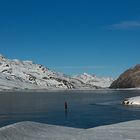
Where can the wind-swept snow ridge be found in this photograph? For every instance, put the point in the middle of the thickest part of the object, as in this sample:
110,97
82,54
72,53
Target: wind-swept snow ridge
37,131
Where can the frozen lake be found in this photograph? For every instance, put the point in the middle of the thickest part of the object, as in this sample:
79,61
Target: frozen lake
85,109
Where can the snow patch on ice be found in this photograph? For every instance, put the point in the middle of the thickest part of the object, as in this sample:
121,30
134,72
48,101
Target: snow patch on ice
132,101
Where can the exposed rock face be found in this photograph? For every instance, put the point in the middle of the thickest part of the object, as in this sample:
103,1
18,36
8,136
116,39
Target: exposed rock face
129,79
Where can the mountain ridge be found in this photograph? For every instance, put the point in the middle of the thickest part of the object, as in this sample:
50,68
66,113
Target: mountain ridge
17,74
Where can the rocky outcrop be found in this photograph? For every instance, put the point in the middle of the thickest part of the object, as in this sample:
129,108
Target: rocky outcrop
129,79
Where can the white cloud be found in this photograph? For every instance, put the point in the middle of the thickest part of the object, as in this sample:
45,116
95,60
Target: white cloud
125,25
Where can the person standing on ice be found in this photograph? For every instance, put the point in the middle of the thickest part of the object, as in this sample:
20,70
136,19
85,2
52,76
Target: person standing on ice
66,105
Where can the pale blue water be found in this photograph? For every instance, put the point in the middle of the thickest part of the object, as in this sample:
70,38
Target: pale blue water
85,109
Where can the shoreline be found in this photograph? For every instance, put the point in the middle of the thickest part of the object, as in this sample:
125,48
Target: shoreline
66,90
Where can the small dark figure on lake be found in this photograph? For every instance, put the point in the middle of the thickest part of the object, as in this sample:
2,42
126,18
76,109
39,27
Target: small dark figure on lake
66,105
66,109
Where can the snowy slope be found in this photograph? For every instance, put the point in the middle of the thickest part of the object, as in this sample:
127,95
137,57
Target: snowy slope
16,74
37,131
94,80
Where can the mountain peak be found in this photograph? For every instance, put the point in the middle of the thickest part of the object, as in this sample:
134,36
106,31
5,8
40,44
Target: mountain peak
86,74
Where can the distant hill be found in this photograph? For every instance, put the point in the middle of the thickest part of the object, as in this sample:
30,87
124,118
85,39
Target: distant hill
129,79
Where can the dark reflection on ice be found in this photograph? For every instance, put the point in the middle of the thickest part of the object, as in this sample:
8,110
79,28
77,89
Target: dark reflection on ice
66,113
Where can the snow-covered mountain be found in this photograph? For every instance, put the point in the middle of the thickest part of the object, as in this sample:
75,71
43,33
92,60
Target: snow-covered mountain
16,74
94,80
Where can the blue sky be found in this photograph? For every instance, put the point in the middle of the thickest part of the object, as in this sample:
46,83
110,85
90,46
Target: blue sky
100,37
